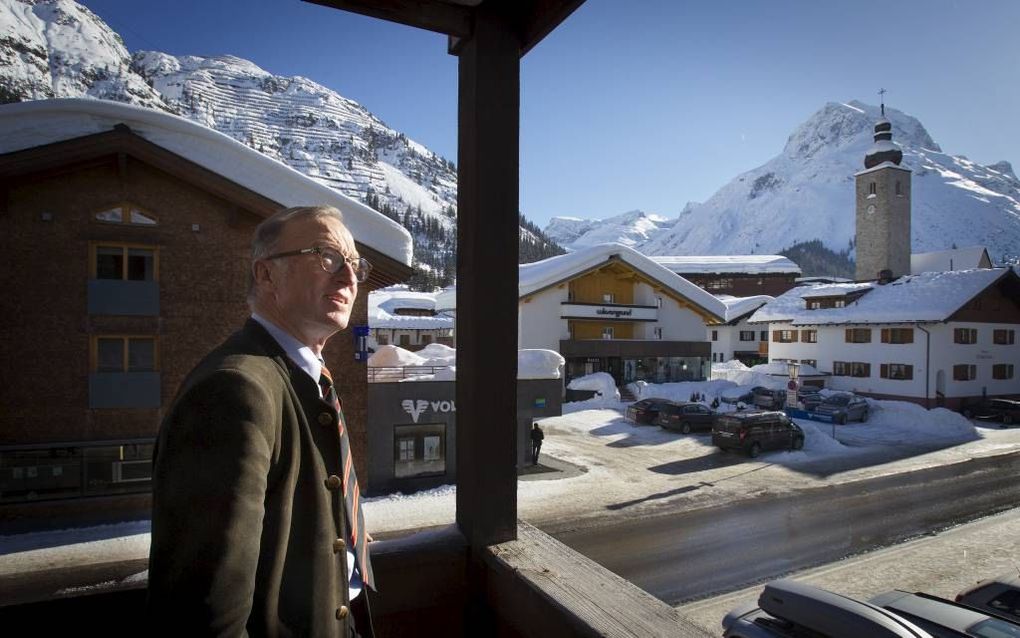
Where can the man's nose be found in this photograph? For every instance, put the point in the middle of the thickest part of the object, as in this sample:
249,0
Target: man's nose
346,273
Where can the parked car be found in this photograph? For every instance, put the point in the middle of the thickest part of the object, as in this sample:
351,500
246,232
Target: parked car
646,410
998,595
753,432
810,398
789,609
943,618
1005,410
769,399
844,407
739,394
686,417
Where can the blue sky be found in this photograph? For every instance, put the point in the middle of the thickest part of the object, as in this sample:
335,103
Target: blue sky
646,103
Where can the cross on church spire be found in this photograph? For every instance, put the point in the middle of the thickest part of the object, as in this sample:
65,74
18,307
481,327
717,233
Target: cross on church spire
881,96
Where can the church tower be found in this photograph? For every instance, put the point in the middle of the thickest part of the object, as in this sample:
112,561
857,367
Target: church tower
883,208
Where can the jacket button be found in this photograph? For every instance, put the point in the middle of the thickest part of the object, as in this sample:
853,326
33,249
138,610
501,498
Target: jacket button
333,483
342,612
325,418
339,545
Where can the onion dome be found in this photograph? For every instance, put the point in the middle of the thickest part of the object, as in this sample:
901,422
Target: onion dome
883,150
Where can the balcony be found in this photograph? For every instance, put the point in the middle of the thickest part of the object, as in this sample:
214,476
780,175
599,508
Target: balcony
608,312
122,297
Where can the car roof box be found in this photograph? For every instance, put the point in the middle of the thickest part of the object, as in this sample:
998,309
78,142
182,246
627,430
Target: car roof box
832,614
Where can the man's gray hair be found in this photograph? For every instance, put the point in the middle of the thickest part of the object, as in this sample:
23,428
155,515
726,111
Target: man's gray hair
267,234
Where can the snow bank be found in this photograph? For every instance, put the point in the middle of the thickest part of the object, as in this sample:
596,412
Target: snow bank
539,364
681,391
438,351
779,368
748,377
899,422
394,356
603,385
818,440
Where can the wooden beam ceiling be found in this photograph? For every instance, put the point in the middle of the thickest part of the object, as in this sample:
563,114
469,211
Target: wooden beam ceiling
532,19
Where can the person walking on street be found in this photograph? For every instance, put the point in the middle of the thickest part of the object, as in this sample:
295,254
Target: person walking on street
536,442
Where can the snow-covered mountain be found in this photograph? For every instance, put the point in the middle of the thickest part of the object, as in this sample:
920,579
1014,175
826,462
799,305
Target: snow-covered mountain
807,193
634,228
58,48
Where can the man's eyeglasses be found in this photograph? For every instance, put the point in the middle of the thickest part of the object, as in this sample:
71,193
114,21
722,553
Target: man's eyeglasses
332,261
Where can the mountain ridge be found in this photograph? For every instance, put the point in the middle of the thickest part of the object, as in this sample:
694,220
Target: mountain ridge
806,193
58,48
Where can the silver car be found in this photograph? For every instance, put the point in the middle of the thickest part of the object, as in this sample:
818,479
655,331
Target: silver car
844,407
788,609
943,618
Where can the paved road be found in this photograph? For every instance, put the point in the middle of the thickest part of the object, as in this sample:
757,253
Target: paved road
941,564
690,555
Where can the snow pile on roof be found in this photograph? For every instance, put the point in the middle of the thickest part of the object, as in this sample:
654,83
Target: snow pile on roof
926,297
781,369
31,124
394,356
446,299
955,259
542,274
602,383
384,303
438,362
737,307
729,264
538,364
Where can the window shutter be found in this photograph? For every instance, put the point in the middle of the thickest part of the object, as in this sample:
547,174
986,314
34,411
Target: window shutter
793,334
775,336
885,337
908,371
849,335
884,368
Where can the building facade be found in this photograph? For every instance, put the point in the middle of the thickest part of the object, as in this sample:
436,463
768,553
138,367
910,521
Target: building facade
610,309
935,339
126,239
401,317
738,338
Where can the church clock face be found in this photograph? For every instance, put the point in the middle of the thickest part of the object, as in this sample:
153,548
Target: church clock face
871,210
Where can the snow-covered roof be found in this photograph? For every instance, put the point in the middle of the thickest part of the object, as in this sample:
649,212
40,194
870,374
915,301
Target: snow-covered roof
35,123
878,167
833,290
542,274
384,303
954,259
913,298
737,307
446,299
731,264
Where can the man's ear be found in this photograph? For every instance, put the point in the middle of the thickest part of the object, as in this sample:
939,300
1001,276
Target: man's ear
262,273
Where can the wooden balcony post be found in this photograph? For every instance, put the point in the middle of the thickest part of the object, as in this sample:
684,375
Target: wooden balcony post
487,247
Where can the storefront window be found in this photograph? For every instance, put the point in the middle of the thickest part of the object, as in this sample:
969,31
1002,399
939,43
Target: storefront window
419,450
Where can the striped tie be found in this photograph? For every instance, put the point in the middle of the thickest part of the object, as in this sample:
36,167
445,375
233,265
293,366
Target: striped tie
352,493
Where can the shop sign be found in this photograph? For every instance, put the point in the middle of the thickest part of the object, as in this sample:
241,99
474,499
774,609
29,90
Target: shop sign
416,407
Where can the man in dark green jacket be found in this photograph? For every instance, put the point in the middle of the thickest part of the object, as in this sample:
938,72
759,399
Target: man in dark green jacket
251,533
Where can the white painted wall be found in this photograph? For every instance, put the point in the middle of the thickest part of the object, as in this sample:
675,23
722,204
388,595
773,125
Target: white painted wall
538,320
944,354
729,342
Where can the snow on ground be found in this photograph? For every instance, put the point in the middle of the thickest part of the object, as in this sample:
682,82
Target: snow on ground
626,471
